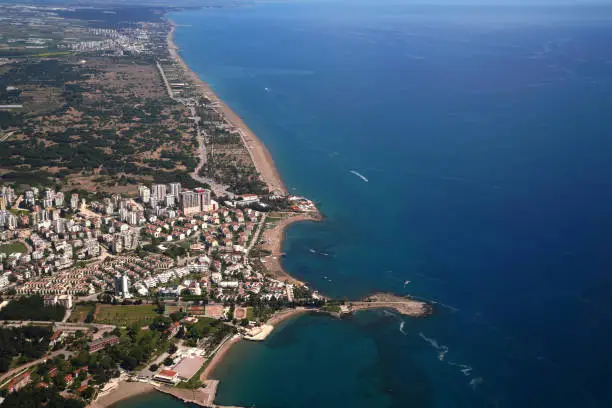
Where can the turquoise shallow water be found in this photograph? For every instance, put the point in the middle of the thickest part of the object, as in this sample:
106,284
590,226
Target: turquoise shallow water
484,135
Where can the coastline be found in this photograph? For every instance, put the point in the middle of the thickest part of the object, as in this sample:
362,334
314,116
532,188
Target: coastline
261,157
217,358
276,319
263,162
124,390
274,239
287,314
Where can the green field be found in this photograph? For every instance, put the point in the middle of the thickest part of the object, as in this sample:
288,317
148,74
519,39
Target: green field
14,247
80,312
126,315
250,313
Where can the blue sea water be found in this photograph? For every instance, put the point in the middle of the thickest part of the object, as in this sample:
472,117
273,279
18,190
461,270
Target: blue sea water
486,139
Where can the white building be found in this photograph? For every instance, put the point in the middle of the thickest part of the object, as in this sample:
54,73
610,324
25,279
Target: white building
122,285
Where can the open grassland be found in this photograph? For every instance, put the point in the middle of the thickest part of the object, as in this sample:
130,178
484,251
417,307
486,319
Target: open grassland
125,315
80,312
12,248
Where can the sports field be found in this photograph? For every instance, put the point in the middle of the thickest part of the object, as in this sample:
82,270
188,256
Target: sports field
120,315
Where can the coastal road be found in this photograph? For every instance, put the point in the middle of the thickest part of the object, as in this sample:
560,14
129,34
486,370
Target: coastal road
217,188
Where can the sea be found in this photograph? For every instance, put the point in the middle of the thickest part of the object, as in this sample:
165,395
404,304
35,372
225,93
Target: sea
461,154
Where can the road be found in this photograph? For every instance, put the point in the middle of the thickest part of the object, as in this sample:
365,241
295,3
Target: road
255,237
6,136
219,189
58,325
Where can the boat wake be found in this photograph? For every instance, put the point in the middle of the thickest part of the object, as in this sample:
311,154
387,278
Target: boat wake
401,328
361,176
465,369
436,302
475,382
442,349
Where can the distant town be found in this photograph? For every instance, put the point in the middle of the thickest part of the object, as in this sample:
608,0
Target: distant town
169,241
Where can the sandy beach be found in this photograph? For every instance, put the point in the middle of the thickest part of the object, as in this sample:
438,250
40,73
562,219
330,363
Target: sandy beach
274,243
217,358
123,391
257,150
286,314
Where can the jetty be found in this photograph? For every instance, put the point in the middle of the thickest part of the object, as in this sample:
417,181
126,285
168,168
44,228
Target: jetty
403,305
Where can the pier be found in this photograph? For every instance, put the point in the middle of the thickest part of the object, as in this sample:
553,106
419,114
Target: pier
403,305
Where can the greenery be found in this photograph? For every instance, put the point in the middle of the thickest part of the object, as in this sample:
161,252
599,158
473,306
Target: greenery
121,315
40,397
82,312
212,330
29,342
175,251
332,308
13,247
32,308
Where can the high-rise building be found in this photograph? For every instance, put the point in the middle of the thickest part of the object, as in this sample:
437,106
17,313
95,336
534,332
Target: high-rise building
144,193
59,199
2,203
174,189
133,218
29,197
170,200
11,221
190,202
74,201
122,285
159,192
123,214
203,198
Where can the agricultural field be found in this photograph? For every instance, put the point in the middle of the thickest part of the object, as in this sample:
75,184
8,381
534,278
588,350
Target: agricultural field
8,249
125,315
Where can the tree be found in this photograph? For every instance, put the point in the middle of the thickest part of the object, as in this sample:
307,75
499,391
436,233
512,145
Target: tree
176,316
87,393
168,361
172,349
154,367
